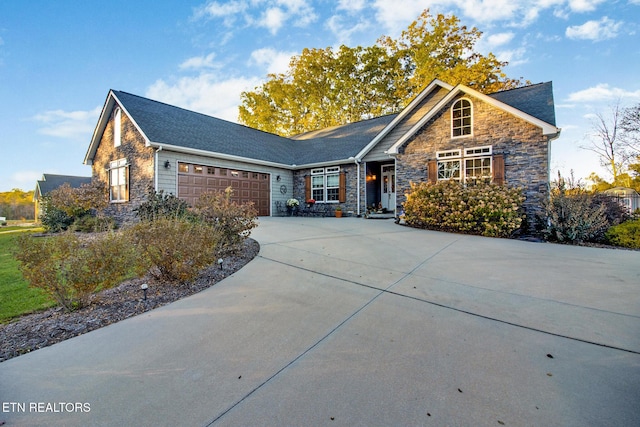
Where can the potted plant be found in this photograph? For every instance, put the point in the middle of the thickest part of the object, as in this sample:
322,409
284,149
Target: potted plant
292,205
338,212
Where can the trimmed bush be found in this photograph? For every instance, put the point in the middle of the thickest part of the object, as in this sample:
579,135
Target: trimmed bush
626,234
486,209
70,270
175,249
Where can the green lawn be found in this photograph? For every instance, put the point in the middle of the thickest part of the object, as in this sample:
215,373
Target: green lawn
16,298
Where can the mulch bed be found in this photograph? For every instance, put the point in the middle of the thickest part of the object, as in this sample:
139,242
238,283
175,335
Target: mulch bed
42,329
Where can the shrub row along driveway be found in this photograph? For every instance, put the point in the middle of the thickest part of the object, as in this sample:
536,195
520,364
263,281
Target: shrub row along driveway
364,322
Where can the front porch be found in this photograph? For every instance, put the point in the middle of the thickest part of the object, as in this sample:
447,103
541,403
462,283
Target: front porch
380,189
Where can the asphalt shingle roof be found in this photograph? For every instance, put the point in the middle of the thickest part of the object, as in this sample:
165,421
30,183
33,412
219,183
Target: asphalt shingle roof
535,100
50,182
167,124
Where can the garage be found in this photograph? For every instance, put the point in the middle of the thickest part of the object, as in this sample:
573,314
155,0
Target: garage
247,186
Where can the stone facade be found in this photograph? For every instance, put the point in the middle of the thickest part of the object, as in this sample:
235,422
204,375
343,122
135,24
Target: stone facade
351,204
524,147
141,166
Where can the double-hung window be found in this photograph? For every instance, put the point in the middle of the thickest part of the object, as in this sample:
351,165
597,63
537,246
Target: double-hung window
325,184
119,181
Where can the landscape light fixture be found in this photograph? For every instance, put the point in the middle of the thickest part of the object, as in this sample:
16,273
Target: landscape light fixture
144,288
220,261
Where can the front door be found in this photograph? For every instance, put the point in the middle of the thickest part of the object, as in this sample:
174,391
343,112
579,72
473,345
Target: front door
388,198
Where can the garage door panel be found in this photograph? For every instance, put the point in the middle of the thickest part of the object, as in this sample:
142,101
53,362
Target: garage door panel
253,187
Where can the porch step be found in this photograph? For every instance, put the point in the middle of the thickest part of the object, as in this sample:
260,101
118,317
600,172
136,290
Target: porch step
380,215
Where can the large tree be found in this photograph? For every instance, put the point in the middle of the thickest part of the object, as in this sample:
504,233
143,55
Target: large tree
326,87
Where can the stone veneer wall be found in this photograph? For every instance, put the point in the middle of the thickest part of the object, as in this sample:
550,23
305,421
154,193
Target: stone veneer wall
525,151
141,165
352,187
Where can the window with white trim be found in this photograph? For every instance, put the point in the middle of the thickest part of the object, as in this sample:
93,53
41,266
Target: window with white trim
119,181
470,165
449,164
325,184
461,118
117,128
477,164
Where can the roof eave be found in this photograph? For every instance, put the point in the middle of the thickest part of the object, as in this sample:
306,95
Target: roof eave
207,153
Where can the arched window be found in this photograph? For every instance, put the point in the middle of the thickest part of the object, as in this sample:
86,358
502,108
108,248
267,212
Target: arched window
117,127
461,118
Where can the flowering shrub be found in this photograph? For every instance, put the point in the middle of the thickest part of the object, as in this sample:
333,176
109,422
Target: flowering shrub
293,203
485,209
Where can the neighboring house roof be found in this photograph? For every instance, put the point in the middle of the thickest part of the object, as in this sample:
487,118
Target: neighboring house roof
50,182
174,128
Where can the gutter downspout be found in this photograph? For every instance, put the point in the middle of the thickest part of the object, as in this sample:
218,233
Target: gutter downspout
155,179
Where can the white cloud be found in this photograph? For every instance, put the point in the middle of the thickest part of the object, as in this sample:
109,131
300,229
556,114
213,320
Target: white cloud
584,5
272,15
343,31
353,6
199,62
273,19
205,94
275,62
394,18
227,10
602,92
76,125
499,39
27,178
603,29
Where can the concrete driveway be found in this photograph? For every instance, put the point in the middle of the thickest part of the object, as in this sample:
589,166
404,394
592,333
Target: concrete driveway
344,322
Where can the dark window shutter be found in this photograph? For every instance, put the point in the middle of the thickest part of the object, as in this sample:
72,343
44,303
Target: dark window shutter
498,169
432,171
307,187
342,192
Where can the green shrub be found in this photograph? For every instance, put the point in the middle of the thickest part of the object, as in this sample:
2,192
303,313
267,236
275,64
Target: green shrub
573,215
159,205
233,221
175,249
70,270
485,209
626,234
54,220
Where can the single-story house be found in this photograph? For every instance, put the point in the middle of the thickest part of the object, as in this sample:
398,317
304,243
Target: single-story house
446,132
50,182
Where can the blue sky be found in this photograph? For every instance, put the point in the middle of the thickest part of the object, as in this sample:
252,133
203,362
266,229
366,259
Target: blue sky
59,59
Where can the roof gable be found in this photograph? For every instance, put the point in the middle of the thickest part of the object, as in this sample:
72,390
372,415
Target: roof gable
535,99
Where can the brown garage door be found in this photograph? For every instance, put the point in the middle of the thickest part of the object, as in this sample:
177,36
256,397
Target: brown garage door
194,180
